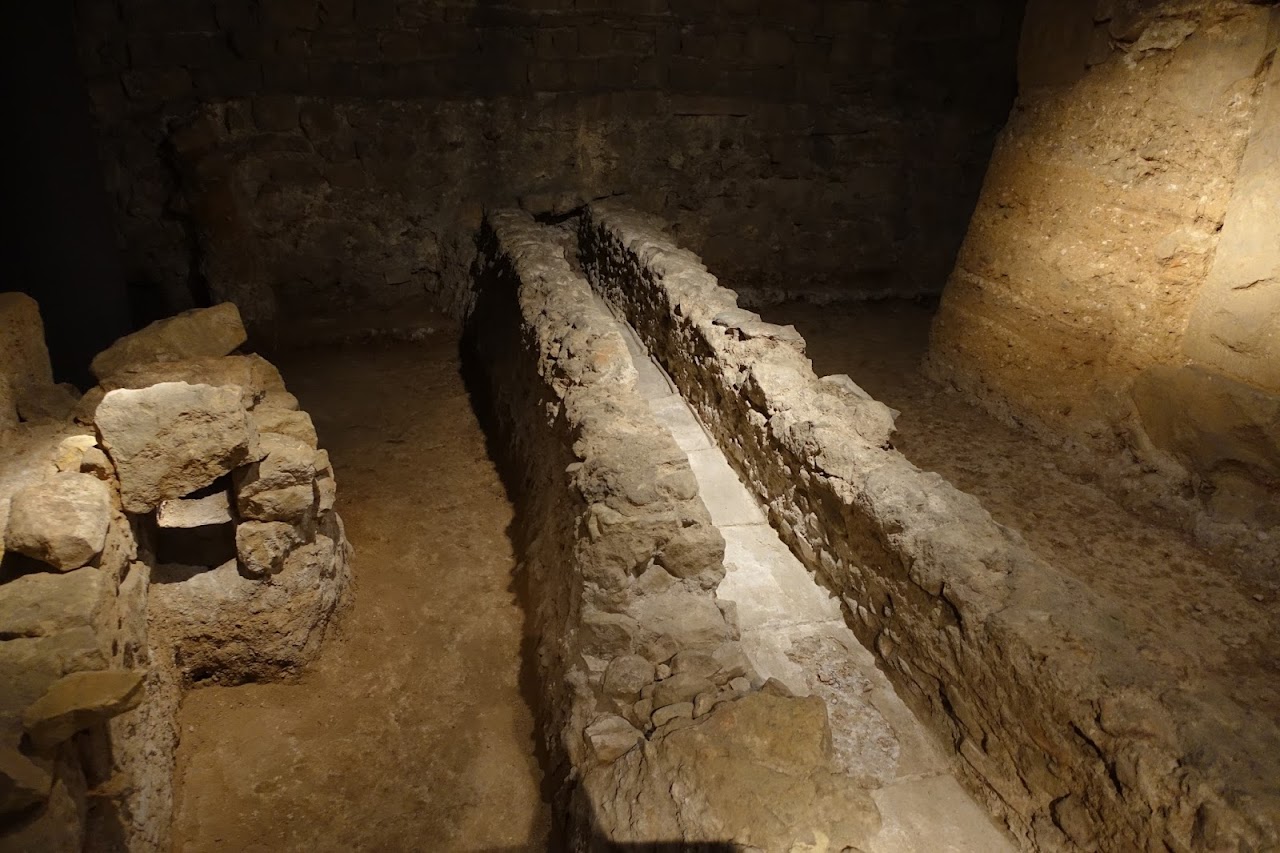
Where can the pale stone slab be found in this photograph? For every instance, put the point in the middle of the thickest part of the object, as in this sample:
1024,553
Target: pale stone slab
726,498
768,583
672,412
934,814
195,512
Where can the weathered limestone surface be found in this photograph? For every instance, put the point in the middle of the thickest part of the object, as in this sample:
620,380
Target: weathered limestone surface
1128,231
199,332
236,623
62,521
27,392
94,656
260,384
24,359
1063,720
640,667
170,439
77,701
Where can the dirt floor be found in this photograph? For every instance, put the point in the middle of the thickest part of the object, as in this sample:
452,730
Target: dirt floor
411,732
1210,617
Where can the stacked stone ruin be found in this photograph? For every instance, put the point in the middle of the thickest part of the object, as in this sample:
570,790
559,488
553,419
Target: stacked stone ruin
175,526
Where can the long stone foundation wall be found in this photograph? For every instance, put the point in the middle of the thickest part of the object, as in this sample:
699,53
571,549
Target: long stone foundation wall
175,526
1061,721
657,727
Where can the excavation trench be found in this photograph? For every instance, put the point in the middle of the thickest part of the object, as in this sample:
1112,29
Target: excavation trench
793,630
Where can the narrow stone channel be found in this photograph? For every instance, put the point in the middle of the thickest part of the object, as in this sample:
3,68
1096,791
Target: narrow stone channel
792,630
412,731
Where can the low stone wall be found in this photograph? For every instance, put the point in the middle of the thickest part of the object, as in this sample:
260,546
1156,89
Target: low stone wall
657,729
172,527
1070,728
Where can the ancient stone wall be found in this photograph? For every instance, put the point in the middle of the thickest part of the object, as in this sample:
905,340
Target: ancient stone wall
659,728
1120,281
296,155
1060,718
173,527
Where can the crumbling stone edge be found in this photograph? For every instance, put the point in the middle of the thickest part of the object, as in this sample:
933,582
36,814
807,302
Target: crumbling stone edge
1057,722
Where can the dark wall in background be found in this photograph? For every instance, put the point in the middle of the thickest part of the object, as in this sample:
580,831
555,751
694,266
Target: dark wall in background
318,155
58,245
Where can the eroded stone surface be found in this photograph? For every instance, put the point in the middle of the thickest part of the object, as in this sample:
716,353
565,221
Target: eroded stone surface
93,653
185,513
77,701
170,439
42,604
214,331
753,771
24,359
932,584
623,561
235,628
260,384
1126,230
61,521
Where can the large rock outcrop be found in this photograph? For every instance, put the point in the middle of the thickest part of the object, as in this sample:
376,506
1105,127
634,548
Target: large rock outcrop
1119,286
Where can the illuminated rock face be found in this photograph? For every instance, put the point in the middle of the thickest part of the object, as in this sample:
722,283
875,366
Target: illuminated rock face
1120,281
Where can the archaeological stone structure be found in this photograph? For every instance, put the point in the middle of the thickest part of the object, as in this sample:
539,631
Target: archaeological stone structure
821,426
170,528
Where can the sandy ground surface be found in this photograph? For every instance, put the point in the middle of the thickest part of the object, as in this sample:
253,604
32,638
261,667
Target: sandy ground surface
1209,618
412,731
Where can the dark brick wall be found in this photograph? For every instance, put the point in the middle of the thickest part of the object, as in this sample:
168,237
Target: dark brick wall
315,155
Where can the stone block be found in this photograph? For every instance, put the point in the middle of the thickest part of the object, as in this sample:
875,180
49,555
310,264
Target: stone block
290,423
257,380
43,604
187,513
169,440
22,782
263,546
24,359
611,737
280,483
627,675
48,403
61,521
78,701
215,331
